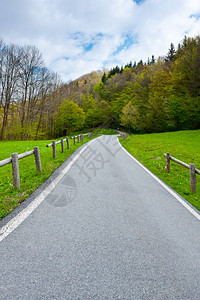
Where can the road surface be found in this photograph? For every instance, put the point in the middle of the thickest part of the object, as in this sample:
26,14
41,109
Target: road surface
101,228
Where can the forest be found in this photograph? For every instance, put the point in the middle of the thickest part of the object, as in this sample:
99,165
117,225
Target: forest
159,95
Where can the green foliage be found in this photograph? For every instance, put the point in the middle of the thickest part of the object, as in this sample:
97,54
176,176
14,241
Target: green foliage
184,145
114,71
96,110
120,101
187,68
69,117
128,116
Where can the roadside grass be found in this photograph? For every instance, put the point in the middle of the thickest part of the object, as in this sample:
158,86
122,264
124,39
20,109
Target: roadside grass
184,145
102,131
30,179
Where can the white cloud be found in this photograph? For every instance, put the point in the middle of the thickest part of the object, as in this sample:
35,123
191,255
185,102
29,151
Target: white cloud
80,36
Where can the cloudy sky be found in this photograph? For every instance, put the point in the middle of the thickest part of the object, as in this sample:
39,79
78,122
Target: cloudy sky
80,36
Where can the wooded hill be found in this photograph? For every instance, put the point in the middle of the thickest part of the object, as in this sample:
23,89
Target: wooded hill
159,95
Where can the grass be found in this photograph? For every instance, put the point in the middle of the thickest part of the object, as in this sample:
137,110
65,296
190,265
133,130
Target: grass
184,145
30,179
102,131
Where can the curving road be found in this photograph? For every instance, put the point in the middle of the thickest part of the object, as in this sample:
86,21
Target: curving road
101,227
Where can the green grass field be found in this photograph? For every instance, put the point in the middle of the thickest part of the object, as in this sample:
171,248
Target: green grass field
30,179
183,145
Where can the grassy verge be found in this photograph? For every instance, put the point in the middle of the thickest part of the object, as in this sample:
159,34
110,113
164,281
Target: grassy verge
184,145
101,131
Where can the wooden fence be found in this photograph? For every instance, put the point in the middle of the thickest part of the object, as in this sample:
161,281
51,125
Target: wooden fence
191,167
54,143
15,166
79,137
123,135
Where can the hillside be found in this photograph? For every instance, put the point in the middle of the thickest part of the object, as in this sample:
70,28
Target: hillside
82,85
154,96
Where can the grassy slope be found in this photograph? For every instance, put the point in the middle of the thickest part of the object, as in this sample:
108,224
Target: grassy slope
184,145
30,179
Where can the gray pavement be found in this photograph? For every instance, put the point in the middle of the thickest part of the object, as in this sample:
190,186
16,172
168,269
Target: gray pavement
107,230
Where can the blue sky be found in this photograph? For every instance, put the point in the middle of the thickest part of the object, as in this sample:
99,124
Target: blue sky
80,36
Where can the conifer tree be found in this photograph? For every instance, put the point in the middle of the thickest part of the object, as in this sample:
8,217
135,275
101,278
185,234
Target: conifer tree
152,60
103,79
171,53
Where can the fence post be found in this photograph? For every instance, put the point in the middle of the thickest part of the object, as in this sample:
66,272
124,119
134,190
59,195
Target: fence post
37,159
67,140
78,138
192,178
15,171
74,140
81,137
167,162
62,145
54,149
88,136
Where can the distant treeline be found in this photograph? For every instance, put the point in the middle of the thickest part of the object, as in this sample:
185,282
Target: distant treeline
159,95
155,96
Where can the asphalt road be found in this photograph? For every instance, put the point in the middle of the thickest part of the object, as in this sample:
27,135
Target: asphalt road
106,230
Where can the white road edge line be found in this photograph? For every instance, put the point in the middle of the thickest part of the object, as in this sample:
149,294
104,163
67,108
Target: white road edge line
18,219
191,210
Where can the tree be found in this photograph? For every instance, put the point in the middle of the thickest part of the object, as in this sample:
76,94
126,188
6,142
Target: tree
31,67
152,62
171,53
69,117
49,84
103,79
128,116
187,68
160,90
10,57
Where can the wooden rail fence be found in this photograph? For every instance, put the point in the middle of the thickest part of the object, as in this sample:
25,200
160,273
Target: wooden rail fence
15,166
123,135
191,167
79,137
54,143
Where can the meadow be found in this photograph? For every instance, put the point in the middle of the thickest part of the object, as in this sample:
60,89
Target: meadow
183,145
30,179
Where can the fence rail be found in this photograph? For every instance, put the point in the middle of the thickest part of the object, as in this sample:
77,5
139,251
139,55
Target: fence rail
58,142
123,135
79,138
191,167
15,166
5,162
89,134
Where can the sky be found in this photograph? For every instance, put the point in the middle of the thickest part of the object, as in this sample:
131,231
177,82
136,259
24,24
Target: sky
80,36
